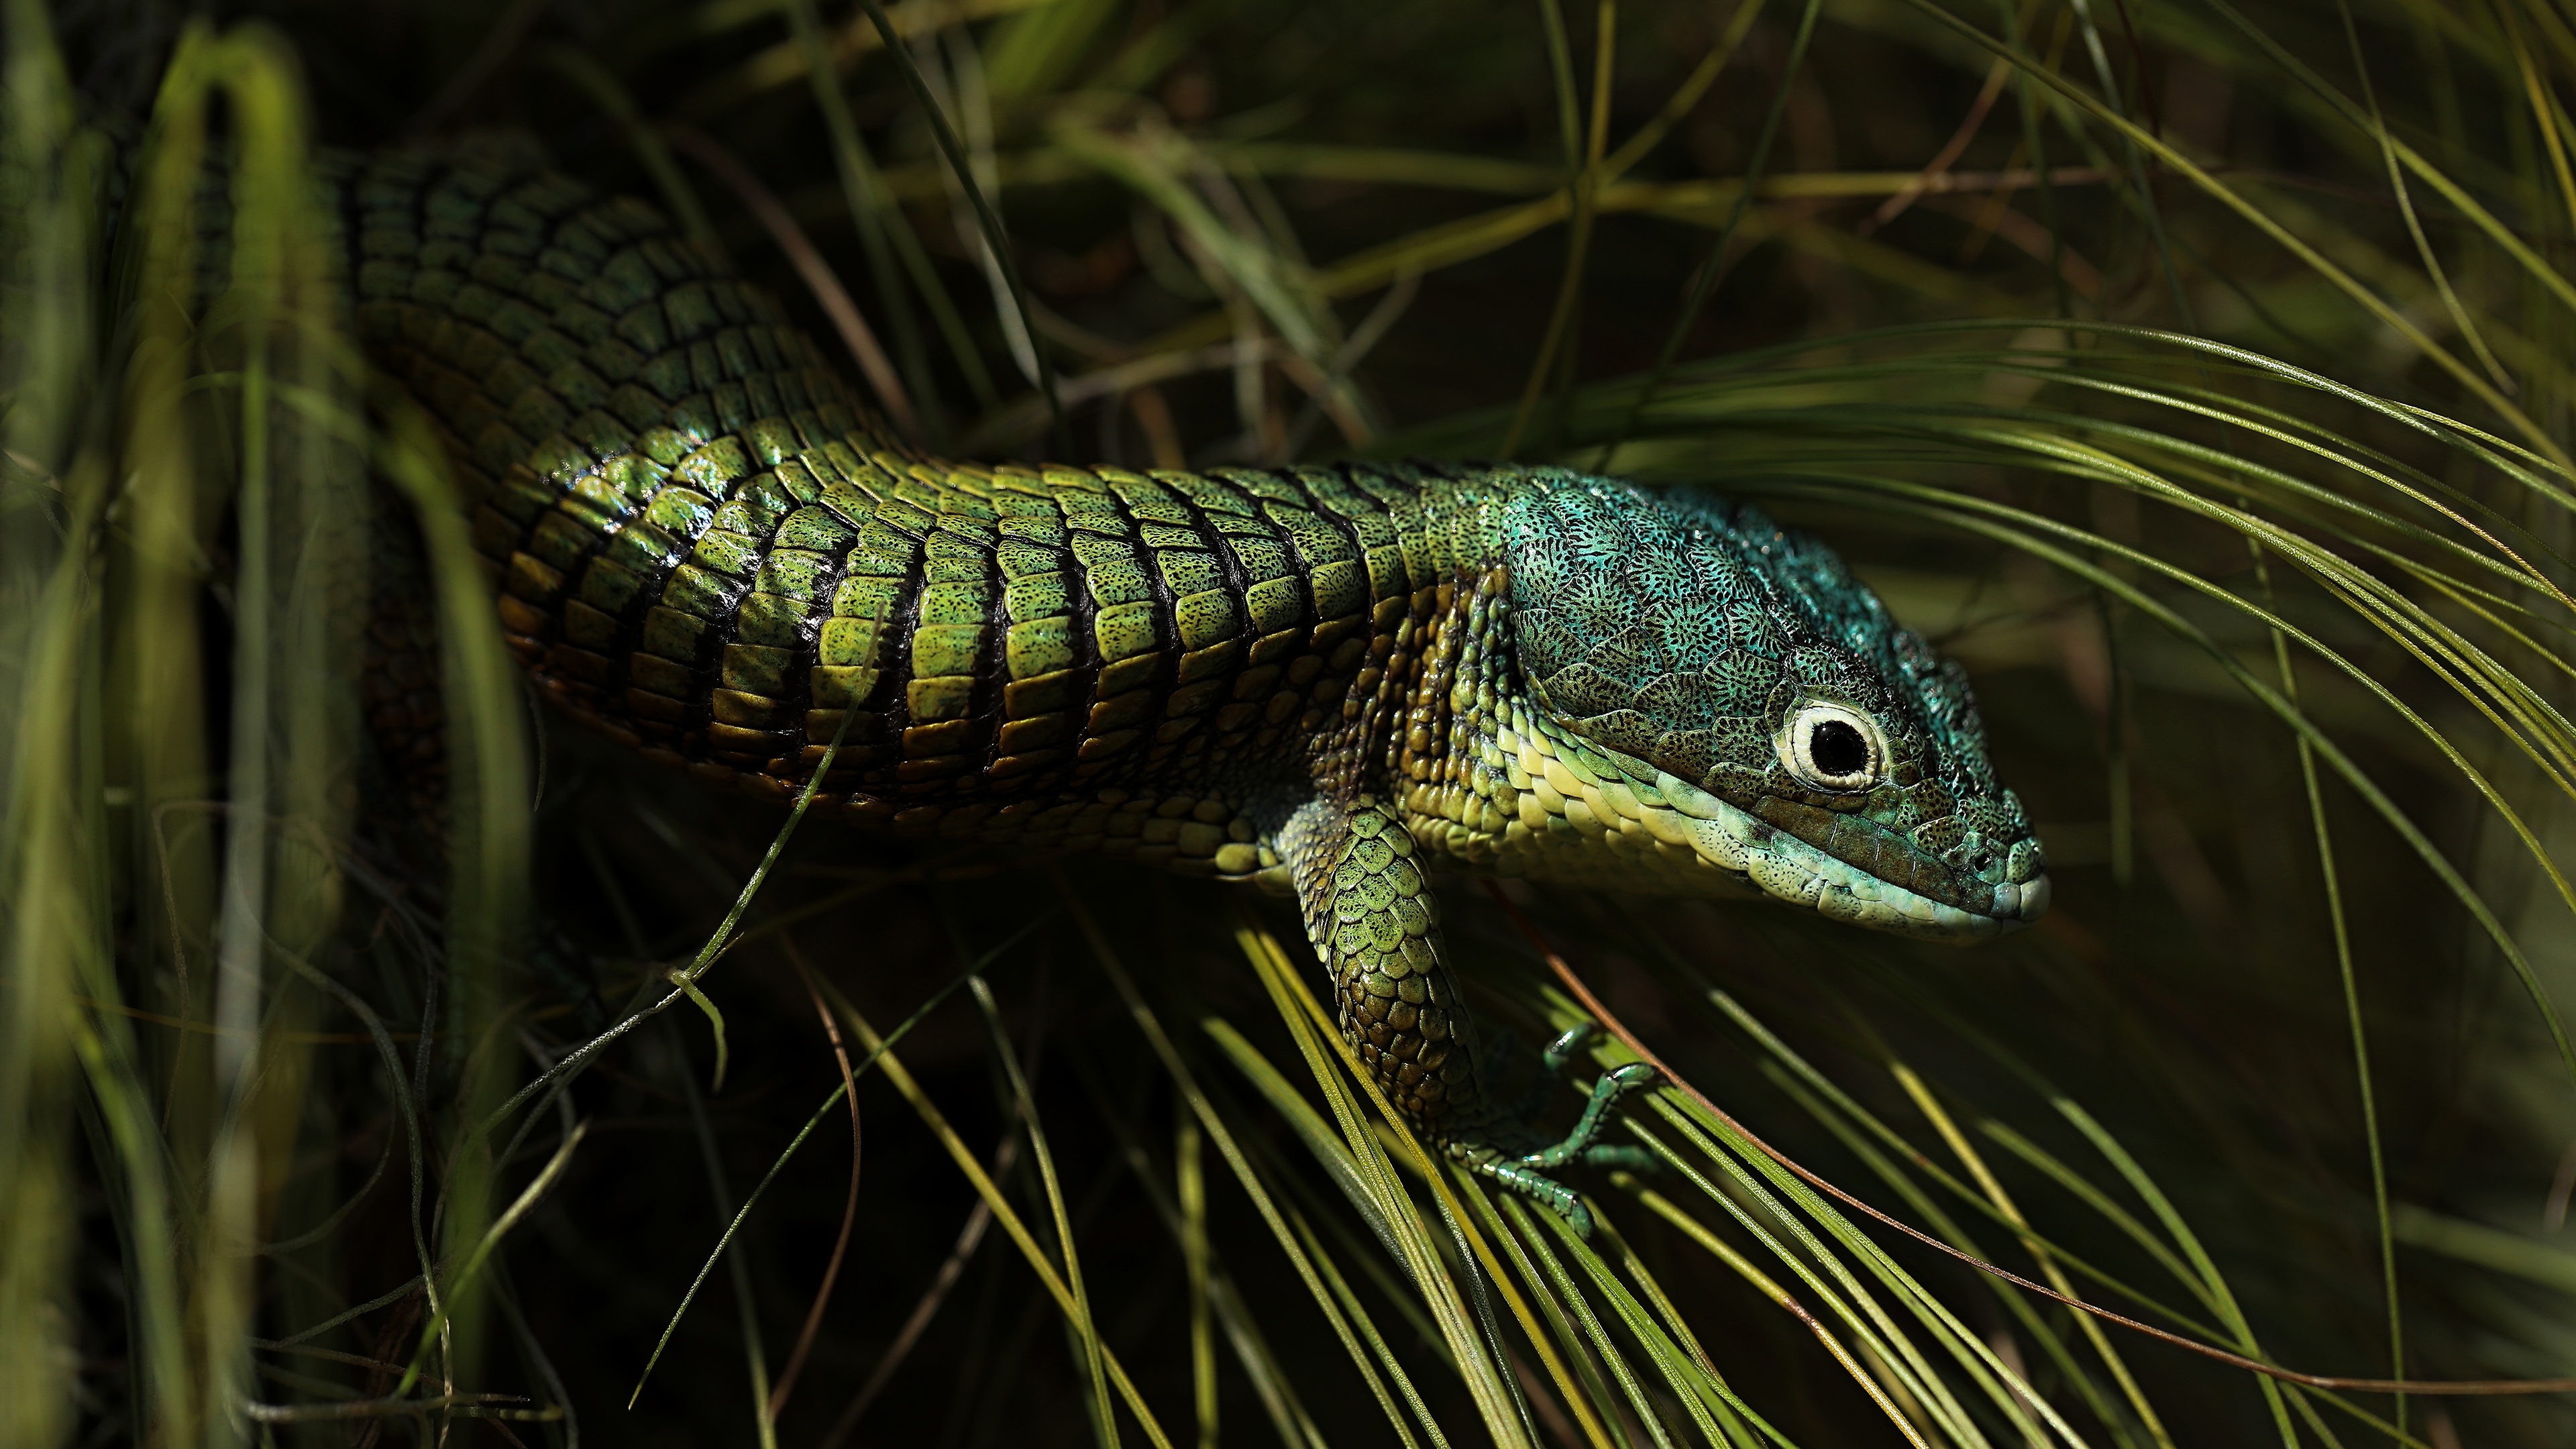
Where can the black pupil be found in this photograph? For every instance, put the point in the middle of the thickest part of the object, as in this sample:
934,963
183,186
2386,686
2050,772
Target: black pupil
1837,748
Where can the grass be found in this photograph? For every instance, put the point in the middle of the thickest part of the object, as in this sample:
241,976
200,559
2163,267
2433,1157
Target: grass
2197,373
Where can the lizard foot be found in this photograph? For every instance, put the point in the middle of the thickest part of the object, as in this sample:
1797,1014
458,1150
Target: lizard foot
1527,1173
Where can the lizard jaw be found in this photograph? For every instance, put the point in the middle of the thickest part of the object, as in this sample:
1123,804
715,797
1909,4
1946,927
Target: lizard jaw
1790,870
1580,797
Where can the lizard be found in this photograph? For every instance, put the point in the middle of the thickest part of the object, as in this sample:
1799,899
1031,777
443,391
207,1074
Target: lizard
1338,680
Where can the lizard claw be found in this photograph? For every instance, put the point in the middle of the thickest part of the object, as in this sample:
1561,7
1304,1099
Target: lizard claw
1605,1095
1526,1174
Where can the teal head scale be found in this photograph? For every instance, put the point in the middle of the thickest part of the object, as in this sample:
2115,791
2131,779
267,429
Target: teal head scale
1730,687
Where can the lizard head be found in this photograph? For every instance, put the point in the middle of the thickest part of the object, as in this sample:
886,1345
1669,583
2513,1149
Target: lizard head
1804,742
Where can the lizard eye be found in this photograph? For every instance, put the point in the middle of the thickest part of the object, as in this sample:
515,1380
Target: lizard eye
1833,748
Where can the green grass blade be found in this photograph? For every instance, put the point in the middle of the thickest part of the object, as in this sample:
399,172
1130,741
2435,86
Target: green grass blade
1273,1215
1568,1295
985,1188
997,242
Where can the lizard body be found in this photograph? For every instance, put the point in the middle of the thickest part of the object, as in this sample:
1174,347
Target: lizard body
1338,678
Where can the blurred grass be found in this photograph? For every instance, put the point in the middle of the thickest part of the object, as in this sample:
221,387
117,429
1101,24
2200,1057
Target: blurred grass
2197,373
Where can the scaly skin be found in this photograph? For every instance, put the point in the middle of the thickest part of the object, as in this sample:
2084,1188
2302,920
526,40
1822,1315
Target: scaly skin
1339,678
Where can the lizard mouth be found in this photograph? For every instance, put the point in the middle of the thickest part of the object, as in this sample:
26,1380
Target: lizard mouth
1793,871
1579,785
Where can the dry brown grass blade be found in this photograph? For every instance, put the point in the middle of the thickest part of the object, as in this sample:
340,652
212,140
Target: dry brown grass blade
819,277
795,1364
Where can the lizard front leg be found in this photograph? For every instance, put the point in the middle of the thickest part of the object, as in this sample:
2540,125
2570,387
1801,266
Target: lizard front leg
1372,918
